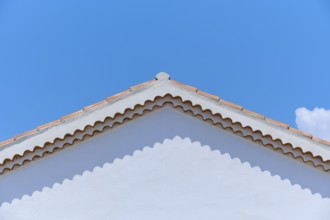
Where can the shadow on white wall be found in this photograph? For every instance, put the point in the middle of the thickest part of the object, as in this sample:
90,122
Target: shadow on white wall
153,128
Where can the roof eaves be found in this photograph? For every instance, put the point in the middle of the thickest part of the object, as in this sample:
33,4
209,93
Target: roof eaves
162,77
252,114
75,114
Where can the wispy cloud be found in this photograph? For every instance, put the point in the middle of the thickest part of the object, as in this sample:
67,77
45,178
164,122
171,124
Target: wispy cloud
316,121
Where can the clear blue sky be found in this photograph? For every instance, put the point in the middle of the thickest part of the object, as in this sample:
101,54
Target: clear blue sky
58,56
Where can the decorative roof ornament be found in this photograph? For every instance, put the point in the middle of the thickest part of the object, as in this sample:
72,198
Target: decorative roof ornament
162,76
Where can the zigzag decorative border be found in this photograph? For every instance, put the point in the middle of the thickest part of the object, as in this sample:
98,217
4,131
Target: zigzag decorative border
122,159
158,102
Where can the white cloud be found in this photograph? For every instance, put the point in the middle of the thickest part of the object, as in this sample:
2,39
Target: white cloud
315,122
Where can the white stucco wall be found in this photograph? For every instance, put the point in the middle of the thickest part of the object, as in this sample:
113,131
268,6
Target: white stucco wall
165,165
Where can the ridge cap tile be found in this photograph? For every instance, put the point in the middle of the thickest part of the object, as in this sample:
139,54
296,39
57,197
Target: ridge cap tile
222,101
321,140
7,141
118,95
300,132
275,122
141,85
49,124
25,134
185,86
252,113
71,115
208,95
89,107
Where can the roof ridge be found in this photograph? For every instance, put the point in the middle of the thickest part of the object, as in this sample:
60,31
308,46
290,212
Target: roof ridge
161,77
89,131
252,113
94,106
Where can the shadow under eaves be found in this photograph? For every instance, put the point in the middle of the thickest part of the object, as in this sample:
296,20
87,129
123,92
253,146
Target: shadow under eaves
154,127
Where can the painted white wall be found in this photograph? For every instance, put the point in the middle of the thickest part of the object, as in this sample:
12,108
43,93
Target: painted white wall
176,177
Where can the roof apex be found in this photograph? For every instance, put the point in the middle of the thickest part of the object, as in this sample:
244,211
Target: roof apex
147,92
162,76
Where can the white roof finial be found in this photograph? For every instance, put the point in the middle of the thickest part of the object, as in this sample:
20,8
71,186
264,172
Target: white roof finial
162,76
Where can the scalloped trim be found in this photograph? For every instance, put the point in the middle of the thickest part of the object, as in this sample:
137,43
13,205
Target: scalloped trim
155,145
178,103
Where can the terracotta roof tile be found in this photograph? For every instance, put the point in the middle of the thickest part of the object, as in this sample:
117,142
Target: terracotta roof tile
208,95
321,140
188,87
71,115
231,104
253,113
300,132
284,125
141,85
113,97
184,86
277,123
25,134
94,105
48,125
7,141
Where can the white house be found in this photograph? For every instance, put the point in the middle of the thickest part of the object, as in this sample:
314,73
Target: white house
164,150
